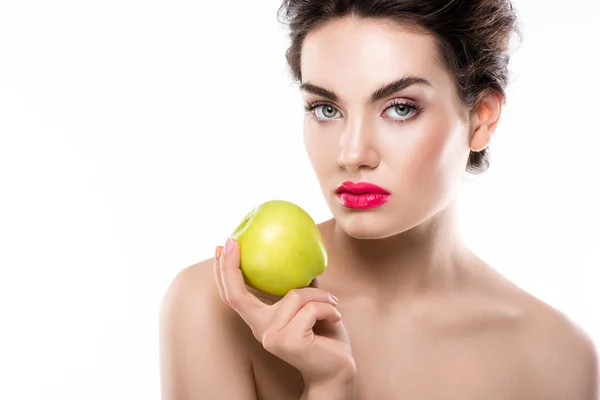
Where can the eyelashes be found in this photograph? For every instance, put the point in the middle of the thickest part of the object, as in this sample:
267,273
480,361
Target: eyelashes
317,106
404,110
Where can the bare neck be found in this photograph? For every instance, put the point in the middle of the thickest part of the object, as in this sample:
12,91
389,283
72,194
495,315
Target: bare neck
429,257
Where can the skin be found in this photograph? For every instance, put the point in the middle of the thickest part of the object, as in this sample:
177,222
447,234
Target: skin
426,318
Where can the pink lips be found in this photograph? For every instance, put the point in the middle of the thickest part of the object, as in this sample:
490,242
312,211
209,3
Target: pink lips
361,195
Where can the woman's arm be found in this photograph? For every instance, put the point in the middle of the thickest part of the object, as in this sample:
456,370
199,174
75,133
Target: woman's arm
200,354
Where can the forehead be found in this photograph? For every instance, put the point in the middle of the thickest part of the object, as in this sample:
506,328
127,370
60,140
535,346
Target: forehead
367,52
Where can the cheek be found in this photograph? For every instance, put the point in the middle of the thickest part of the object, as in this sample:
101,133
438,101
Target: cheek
437,150
320,149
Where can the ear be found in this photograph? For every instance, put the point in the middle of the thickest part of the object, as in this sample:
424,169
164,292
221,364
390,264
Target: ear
484,121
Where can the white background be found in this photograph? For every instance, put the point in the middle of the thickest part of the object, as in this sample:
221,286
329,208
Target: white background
135,135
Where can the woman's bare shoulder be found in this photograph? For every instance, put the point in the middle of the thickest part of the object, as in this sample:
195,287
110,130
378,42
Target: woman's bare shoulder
193,283
193,296
202,341
559,355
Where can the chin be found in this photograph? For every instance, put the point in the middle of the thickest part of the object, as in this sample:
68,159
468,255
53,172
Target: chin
368,224
384,221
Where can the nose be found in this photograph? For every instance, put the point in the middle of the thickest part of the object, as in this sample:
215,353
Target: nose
357,149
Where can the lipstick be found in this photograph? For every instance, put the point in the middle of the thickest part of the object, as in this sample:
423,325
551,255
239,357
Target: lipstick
361,195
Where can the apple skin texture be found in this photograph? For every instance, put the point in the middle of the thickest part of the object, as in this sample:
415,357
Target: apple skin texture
281,248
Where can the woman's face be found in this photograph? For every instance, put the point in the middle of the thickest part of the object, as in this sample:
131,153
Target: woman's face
412,140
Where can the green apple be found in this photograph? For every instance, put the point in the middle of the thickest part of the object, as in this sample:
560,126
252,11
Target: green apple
281,248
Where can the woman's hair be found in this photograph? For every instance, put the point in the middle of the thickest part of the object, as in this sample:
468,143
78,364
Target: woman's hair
473,38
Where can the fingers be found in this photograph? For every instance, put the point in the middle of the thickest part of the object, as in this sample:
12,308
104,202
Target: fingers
312,312
299,330
235,293
294,300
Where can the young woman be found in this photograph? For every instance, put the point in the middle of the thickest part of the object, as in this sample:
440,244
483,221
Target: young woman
402,98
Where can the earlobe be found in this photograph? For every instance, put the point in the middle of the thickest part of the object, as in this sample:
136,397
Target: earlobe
480,140
485,121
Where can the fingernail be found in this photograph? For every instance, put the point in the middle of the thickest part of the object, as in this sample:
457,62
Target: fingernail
218,251
335,299
228,246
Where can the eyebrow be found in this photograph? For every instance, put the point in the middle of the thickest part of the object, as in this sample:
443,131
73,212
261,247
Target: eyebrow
380,93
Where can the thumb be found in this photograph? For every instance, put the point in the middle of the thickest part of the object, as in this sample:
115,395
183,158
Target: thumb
233,279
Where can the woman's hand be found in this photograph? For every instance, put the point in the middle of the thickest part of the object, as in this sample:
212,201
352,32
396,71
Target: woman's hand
285,328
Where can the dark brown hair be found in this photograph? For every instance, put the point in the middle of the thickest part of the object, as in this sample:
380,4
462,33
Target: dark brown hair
473,37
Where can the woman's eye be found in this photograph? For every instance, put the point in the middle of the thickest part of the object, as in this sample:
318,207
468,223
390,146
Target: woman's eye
325,112
400,111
